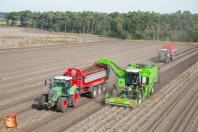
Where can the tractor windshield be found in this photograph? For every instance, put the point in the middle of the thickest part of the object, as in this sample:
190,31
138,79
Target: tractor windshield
163,51
59,82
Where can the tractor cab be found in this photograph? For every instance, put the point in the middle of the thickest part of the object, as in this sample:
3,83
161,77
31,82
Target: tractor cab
63,82
163,53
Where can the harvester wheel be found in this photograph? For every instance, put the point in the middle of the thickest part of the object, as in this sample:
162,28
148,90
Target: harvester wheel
62,104
41,102
158,78
99,90
139,97
114,92
152,91
75,99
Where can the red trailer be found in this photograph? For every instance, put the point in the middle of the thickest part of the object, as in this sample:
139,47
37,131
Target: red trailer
90,80
167,53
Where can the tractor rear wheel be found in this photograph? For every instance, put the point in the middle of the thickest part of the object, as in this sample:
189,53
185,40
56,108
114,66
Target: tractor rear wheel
166,61
75,99
62,104
41,102
139,97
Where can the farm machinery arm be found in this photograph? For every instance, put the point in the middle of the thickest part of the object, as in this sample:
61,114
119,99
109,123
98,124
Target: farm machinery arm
114,66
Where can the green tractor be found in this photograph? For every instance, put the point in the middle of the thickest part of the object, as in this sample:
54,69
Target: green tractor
61,94
134,85
167,53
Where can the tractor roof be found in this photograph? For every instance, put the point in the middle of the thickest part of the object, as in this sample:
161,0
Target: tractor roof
139,67
132,70
63,77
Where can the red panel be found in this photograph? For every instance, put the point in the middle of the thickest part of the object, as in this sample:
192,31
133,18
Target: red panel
84,86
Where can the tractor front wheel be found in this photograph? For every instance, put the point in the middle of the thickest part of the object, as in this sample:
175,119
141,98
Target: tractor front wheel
62,104
41,102
75,98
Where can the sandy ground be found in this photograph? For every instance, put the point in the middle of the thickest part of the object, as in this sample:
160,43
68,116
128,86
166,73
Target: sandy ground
13,37
24,69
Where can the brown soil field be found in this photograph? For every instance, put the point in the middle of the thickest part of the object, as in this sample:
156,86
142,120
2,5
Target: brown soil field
29,56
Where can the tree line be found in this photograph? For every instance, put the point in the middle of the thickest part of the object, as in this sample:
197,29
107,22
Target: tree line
176,27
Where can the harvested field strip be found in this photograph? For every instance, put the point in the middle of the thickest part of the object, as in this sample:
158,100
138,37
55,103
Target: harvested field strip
47,75
61,53
50,57
64,64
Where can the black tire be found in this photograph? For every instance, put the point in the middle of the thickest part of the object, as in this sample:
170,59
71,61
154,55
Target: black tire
158,78
114,92
99,89
166,60
158,60
75,99
41,102
62,104
139,97
104,88
152,91
93,92
173,57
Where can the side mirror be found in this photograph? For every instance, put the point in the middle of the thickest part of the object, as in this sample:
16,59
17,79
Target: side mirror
45,82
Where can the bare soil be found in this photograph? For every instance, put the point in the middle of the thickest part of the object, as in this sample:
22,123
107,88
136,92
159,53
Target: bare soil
25,67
